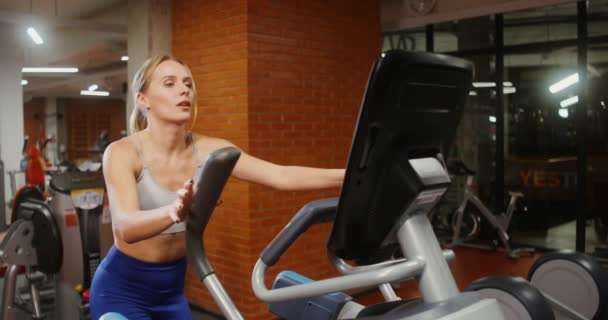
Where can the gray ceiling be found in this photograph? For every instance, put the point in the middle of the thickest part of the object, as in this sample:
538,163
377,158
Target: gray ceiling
92,35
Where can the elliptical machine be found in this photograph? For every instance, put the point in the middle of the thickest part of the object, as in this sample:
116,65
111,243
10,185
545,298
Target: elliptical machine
395,177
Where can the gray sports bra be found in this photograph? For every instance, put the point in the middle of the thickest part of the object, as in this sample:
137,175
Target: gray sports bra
151,195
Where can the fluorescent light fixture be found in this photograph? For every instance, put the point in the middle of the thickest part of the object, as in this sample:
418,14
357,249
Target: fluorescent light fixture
124,58
48,70
568,102
491,84
509,90
24,82
563,113
34,35
94,93
472,93
484,84
93,87
506,90
564,83
493,119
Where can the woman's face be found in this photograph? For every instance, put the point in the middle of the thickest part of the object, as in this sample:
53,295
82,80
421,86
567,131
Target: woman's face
169,94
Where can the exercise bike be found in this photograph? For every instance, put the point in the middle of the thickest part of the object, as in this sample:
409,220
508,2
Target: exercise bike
467,223
41,231
394,178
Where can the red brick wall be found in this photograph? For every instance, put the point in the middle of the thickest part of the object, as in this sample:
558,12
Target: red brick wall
308,65
86,118
211,38
283,80
34,121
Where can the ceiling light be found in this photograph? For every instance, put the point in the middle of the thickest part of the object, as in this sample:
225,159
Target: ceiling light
93,87
568,102
493,119
509,90
506,90
34,35
483,84
24,82
124,58
564,83
593,71
94,93
491,84
563,113
472,93
48,70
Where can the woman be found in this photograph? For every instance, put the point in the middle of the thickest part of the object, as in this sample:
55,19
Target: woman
142,277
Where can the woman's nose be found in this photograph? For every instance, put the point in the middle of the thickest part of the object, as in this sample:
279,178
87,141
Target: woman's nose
185,90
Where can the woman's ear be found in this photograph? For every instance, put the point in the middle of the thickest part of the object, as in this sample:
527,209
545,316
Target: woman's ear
142,100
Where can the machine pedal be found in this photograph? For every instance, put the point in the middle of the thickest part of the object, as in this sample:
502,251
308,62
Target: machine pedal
324,307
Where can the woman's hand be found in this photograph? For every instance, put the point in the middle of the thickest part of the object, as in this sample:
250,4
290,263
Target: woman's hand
182,205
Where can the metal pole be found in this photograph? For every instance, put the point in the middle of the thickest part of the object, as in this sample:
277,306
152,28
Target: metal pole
9,310
3,203
581,127
221,298
499,170
430,38
418,241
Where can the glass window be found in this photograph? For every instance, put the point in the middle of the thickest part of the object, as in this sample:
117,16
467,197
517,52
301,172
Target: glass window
540,25
463,35
446,37
476,137
541,93
474,147
410,39
597,56
540,130
597,18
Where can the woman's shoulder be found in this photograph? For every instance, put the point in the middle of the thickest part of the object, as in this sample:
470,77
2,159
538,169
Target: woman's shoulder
123,149
208,143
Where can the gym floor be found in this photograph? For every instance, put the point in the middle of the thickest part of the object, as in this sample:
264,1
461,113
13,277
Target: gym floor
199,315
562,236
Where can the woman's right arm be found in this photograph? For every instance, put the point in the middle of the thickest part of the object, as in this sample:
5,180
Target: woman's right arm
131,224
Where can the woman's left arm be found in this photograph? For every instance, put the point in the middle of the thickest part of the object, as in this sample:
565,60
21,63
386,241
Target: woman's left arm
288,178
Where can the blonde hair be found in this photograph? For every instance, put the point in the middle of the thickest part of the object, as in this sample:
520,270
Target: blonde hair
141,81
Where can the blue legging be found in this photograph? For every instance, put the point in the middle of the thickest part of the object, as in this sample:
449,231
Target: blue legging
139,290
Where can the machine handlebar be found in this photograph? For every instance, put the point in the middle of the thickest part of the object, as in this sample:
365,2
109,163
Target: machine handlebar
209,186
314,212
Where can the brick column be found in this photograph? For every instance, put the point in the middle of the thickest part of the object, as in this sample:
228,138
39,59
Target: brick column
283,80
